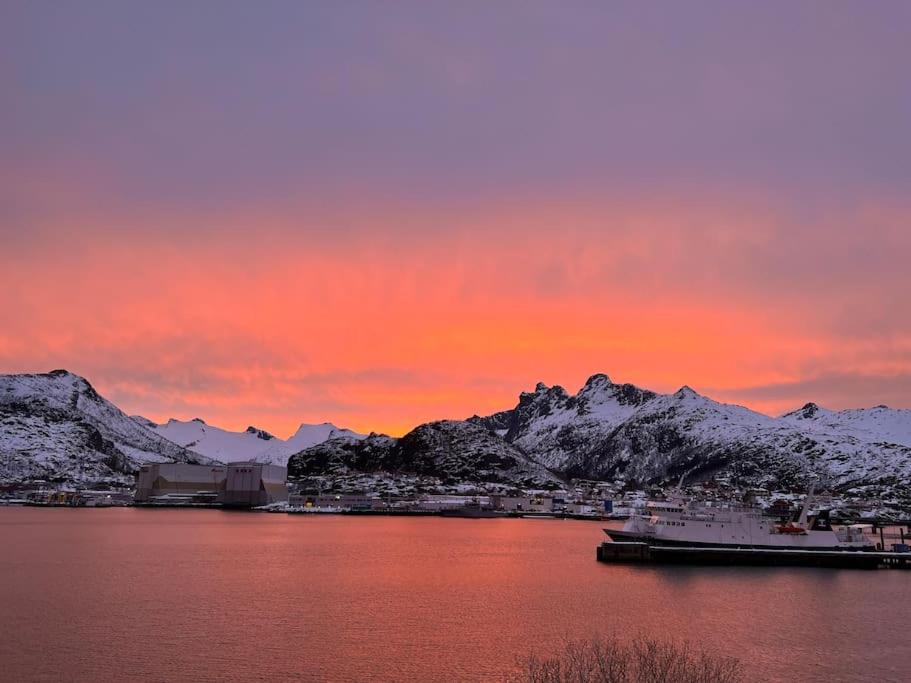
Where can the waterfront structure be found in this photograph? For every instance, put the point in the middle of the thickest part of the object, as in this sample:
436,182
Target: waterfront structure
179,483
344,501
251,484
77,498
539,504
438,502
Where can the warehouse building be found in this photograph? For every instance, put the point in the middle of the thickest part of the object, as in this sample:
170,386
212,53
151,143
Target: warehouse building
251,484
176,483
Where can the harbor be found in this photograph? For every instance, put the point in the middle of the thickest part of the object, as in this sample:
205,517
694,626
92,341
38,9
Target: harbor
342,597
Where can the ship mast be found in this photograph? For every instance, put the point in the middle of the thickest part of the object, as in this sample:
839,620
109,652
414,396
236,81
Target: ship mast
802,520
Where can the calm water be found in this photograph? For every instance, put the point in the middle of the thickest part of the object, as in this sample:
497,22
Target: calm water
186,595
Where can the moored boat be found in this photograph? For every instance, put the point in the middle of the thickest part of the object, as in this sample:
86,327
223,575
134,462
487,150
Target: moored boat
731,525
472,510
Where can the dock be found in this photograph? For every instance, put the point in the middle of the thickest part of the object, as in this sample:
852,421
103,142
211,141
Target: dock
644,553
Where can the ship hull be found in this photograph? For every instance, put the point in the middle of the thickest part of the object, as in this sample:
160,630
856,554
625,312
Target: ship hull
634,537
626,552
472,513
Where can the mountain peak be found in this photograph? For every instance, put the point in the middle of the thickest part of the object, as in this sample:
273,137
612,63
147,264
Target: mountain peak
599,379
198,420
260,433
310,425
60,373
685,392
809,410
69,378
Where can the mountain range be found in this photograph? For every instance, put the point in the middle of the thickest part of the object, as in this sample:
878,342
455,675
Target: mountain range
250,444
56,427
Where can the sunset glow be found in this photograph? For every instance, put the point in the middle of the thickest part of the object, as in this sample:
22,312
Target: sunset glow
371,244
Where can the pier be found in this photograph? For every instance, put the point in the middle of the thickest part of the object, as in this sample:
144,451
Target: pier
643,553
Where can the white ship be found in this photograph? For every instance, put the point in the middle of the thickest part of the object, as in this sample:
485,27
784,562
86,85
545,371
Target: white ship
700,524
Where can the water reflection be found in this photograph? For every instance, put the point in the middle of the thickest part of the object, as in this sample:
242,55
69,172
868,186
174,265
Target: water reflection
206,595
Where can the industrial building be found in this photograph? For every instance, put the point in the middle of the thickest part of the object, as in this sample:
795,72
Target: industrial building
238,484
251,484
179,483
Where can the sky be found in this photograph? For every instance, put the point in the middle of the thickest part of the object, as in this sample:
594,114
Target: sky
379,214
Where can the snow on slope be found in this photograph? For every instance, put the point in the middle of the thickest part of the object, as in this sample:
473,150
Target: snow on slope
870,425
251,444
620,431
546,418
308,435
55,426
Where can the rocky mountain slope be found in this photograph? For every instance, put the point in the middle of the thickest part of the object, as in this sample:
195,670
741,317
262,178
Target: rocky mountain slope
450,451
250,444
56,427
618,431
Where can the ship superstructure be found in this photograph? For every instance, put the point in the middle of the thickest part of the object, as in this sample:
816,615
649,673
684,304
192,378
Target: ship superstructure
712,524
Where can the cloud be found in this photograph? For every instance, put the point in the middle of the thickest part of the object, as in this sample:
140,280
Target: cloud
392,215
386,326
834,391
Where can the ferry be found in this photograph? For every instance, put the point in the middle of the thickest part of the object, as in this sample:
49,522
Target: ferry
699,524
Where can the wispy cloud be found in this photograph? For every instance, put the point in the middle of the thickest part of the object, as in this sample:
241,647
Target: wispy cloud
379,217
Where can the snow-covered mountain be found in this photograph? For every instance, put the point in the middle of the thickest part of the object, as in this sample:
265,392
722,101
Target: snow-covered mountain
609,431
250,444
308,435
880,424
56,427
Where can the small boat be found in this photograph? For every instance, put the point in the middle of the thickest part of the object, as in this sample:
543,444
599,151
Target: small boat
540,515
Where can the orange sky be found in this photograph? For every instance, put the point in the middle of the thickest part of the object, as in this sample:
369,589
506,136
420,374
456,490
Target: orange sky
298,212
277,317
